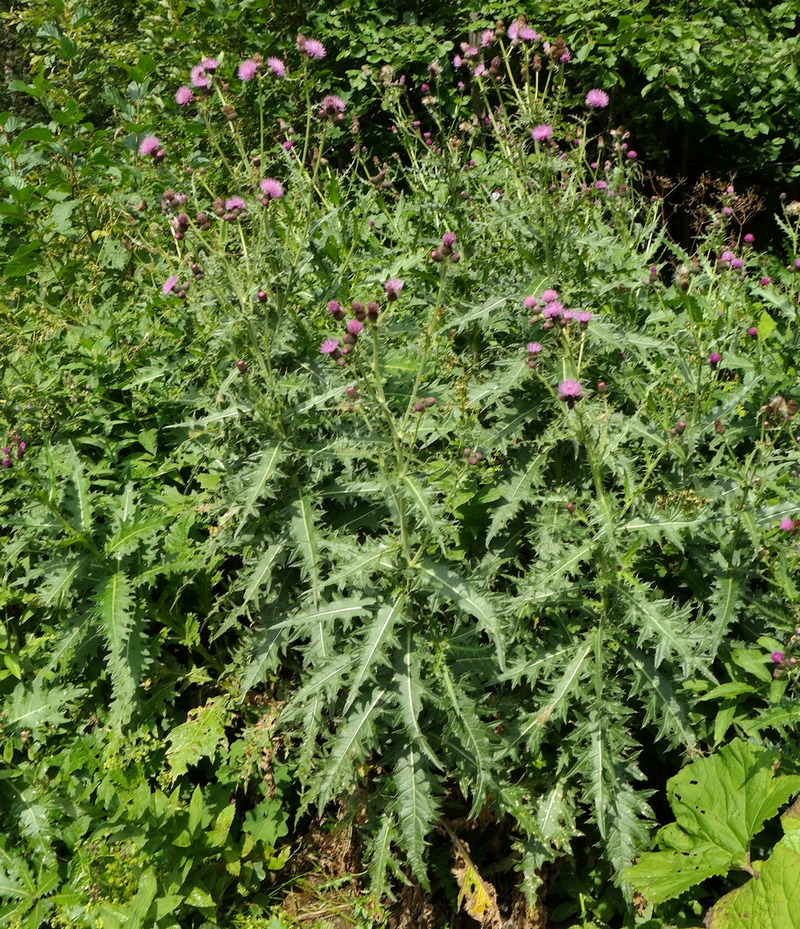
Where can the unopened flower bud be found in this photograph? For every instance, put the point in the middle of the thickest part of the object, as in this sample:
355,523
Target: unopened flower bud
242,366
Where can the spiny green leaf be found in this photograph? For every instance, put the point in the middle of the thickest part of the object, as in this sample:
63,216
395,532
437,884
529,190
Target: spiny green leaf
460,591
416,808
114,606
258,479
351,744
380,635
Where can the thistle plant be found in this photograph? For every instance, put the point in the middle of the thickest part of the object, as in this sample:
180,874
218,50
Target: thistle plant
441,467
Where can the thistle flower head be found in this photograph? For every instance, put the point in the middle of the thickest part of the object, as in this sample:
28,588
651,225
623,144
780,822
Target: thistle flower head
311,47
597,98
184,96
332,107
393,288
199,76
149,145
271,188
276,67
570,392
542,132
248,69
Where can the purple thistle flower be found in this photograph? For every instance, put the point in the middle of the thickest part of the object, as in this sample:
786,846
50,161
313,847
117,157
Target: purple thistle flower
457,62
528,34
737,263
184,96
513,30
271,188
329,346
530,303
210,64
714,359
753,332
247,69
600,185
393,288
533,348
749,238
169,285
149,145
570,392
234,203
777,657
631,154
487,38
276,67
198,76
542,133
313,48
786,524
548,296
597,99
552,310
726,256
332,107
354,326
764,281
584,317
449,239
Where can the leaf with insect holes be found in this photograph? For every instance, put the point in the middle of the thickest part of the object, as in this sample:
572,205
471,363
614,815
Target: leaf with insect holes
720,804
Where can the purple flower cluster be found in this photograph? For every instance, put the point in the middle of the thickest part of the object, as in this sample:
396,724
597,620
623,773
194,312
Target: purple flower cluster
235,208
7,459
332,107
423,403
172,286
276,67
728,260
200,75
542,132
551,311
353,327
445,250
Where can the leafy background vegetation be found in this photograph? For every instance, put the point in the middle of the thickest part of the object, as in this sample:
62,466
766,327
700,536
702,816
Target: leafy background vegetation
392,545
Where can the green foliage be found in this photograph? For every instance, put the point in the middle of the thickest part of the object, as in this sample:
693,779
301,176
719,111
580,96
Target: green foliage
770,898
720,803
429,581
